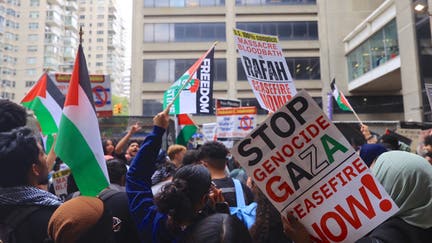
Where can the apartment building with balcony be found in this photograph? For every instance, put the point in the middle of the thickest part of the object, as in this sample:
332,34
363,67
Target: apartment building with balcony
36,35
103,40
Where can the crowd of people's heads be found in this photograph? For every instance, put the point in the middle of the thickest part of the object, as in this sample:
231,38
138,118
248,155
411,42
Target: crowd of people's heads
184,183
12,115
81,219
117,171
185,197
213,155
22,159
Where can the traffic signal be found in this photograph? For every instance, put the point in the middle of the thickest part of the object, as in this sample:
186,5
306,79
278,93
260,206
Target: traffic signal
117,109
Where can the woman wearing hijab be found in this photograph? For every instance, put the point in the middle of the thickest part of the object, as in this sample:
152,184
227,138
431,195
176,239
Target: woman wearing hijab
407,178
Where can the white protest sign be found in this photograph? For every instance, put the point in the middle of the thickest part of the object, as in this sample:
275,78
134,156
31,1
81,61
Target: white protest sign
209,131
304,165
101,90
60,182
235,122
266,68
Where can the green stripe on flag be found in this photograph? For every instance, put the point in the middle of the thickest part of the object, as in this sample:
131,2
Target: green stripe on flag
75,152
186,134
342,104
46,121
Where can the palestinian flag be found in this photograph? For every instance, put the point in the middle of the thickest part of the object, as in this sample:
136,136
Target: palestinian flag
46,101
79,142
193,92
340,98
186,128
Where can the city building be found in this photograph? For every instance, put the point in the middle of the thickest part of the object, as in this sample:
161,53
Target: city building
42,35
387,56
376,50
35,36
168,36
103,39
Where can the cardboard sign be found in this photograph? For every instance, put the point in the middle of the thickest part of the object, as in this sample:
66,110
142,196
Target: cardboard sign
101,89
209,131
266,68
235,122
304,165
60,182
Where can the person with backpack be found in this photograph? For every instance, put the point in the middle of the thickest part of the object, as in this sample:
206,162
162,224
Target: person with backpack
116,202
181,203
213,155
239,197
24,208
81,220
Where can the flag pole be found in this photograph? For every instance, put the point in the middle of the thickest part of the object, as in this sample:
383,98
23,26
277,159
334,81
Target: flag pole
358,118
81,35
190,77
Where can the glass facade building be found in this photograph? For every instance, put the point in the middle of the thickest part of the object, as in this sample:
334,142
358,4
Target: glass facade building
375,51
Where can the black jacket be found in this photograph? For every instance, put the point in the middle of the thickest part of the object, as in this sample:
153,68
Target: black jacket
33,229
395,230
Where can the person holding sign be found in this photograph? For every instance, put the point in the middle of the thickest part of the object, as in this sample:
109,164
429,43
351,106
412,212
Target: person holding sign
408,179
175,211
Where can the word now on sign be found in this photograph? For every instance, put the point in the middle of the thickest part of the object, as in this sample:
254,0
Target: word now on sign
304,165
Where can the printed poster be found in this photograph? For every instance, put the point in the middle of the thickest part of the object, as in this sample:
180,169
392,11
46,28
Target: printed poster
266,68
304,165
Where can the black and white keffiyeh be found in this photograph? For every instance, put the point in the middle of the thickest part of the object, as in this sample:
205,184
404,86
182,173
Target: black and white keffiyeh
27,195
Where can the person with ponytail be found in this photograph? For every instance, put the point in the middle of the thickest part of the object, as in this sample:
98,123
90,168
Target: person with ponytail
169,215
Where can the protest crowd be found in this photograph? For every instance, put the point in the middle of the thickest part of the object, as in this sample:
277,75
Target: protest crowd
292,178
182,195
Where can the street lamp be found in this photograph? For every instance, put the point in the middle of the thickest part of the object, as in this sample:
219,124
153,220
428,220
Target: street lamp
420,6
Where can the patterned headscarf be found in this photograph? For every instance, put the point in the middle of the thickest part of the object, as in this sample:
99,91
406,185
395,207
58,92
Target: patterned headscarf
407,178
27,195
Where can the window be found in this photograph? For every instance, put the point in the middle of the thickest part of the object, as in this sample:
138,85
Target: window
29,83
99,55
34,3
33,26
296,30
184,32
374,104
182,3
275,2
33,14
375,51
99,39
31,60
31,72
168,70
100,32
99,64
32,37
151,107
159,71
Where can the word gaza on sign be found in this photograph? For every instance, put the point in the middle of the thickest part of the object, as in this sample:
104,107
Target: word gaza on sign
304,165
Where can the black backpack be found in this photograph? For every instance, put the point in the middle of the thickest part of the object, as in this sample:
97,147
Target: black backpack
12,221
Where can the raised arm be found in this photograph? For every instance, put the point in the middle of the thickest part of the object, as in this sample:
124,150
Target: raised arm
124,140
138,181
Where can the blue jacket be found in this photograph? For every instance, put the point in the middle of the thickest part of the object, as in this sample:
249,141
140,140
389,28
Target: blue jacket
151,224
